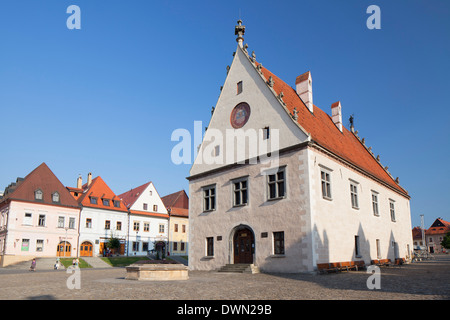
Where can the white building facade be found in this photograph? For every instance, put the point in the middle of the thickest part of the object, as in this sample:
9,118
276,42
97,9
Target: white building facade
148,221
319,196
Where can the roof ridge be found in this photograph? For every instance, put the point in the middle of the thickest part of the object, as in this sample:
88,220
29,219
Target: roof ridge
284,86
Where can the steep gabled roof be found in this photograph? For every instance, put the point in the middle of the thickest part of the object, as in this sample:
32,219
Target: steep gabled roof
100,190
417,233
177,203
346,145
41,178
439,226
131,196
177,199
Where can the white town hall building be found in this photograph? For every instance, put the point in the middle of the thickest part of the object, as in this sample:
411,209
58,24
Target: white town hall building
320,196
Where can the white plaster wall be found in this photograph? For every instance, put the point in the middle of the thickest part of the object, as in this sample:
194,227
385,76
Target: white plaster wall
146,236
98,230
50,233
335,222
151,197
266,110
290,215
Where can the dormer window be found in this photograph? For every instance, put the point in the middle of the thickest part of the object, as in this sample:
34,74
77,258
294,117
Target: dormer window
105,202
116,203
93,200
38,194
55,197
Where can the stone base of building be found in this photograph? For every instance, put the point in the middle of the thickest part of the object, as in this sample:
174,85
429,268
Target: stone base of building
157,272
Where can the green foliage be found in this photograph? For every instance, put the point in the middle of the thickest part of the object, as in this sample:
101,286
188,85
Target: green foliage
113,243
446,241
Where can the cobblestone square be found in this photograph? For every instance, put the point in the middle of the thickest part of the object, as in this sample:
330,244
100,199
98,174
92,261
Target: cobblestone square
423,280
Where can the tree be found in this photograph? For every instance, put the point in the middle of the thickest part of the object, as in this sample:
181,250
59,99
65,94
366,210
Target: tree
113,243
446,241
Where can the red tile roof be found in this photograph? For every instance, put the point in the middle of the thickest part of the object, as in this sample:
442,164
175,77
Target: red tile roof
439,226
149,214
177,199
179,212
324,132
131,196
100,190
417,233
44,179
177,203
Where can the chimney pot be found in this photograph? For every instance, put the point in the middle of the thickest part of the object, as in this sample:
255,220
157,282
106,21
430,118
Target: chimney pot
79,182
336,114
89,179
303,87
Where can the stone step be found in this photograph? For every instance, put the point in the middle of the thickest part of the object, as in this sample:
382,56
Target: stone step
239,268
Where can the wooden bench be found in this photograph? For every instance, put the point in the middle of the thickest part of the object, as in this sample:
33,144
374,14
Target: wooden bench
347,266
326,267
399,261
360,265
386,262
375,262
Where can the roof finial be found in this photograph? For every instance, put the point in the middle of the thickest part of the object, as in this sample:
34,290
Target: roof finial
239,30
295,114
352,119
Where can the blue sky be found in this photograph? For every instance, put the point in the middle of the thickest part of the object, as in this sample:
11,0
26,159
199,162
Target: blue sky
105,99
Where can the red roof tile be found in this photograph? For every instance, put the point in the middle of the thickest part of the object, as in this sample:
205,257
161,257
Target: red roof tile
100,190
131,196
324,132
44,179
177,203
177,199
439,226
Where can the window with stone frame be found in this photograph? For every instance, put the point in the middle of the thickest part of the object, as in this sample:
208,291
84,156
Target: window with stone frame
354,195
325,177
209,198
240,192
276,183
278,242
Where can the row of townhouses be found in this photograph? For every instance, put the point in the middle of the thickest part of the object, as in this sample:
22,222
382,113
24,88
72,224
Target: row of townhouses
295,188
40,217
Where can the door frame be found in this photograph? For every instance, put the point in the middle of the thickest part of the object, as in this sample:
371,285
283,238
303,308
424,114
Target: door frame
232,243
64,244
92,251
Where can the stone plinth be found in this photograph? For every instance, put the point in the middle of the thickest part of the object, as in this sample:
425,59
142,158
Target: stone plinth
157,272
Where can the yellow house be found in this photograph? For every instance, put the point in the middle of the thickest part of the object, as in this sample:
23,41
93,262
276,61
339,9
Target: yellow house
177,205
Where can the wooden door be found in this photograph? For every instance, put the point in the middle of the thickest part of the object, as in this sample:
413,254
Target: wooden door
64,249
86,249
243,243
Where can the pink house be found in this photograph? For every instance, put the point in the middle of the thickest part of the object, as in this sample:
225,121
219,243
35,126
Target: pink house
38,218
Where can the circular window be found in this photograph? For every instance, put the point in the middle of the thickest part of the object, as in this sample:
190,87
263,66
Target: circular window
240,115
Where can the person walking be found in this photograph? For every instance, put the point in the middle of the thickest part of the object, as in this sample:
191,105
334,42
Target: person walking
33,265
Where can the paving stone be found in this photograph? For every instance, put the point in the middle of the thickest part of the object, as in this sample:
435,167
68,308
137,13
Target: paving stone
421,280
